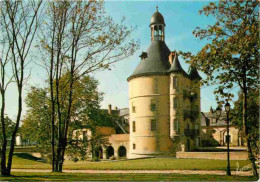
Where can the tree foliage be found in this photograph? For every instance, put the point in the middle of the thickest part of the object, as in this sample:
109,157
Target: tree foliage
232,45
230,59
86,113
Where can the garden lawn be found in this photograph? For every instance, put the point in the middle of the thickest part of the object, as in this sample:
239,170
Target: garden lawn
18,176
23,161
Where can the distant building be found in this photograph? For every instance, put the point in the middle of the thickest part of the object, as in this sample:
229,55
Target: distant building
214,132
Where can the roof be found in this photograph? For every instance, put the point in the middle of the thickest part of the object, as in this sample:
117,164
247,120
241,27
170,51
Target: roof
194,75
207,116
176,66
157,18
157,60
124,112
105,131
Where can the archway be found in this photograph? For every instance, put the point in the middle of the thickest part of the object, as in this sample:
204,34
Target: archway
99,153
121,151
110,151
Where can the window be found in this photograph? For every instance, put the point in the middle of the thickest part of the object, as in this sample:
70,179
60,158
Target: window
188,126
175,103
153,105
133,145
125,121
133,108
153,125
176,126
196,126
174,79
133,126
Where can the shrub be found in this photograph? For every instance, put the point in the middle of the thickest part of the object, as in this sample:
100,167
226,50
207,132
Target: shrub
75,159
95,159
112,158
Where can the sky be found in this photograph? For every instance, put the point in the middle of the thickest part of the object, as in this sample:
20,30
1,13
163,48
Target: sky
181,18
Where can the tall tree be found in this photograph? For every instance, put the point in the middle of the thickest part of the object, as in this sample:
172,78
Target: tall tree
19,22
231,57
253,118
78,38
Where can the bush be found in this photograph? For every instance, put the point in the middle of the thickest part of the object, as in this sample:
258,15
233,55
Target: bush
112,158
95,159
75,159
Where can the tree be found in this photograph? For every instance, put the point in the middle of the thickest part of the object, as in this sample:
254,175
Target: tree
9,126
253,118
230,59
86,113
77,38
19,22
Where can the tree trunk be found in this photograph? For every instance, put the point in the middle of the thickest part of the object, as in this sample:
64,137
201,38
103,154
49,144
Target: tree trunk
248,139
10,157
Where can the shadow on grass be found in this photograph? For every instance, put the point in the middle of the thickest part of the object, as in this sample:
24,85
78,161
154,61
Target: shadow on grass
29,157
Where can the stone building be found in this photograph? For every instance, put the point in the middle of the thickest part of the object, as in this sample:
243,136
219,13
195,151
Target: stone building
164,100
214,132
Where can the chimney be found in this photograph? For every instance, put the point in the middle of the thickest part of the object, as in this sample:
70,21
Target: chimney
211,110
171,57
109,109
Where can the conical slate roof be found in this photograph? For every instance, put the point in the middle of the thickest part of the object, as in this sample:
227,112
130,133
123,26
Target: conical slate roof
194,75
176,66
157,60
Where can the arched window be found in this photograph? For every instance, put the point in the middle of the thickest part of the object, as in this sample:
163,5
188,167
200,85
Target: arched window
110,152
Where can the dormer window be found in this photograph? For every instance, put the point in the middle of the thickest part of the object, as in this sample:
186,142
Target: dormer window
143,55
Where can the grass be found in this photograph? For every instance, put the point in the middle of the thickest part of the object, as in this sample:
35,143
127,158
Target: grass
25,161
18,176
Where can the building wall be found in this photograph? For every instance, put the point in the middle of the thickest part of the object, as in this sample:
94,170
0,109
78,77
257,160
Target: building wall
216,135
212,155
144,91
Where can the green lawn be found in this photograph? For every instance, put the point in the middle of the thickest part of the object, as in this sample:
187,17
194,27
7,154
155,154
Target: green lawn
23,161
17,176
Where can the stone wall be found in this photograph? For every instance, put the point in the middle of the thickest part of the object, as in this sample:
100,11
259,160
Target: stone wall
212,155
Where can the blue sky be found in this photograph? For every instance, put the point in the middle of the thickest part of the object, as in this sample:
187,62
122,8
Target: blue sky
181,18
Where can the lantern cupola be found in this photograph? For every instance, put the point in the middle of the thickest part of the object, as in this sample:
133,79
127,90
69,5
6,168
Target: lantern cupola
157,26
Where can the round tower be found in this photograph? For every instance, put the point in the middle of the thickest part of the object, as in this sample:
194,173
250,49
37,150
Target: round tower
149,97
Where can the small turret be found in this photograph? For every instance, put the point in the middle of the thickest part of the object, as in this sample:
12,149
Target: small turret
157,26
176,66
194,75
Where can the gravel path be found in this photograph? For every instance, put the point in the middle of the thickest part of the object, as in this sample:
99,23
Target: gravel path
216,172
